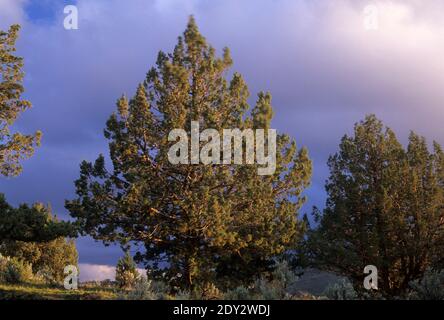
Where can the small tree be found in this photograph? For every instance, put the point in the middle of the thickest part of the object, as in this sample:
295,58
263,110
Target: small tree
429,287
384,208
126,272
13,147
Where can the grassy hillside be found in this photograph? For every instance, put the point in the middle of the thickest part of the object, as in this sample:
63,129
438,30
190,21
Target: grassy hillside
312,284
44,292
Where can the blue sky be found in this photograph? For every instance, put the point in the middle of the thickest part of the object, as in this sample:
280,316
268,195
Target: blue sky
43,11
324,70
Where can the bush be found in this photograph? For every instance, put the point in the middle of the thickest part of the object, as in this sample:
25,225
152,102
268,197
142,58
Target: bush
275,287
239,293
145,289
429,287
141,290
126,272
48,259
45,275
279,285
14,271
342,290
182,295
206,291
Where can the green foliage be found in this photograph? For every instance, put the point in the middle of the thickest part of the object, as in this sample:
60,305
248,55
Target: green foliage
31,224
429,287
39,291
182,295
48,259
13,146
342,290
126,272
384,208
238,293
219,224
205,291
277,286
145,289
36,236
14,271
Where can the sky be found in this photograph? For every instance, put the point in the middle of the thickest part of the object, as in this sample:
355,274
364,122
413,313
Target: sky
322,64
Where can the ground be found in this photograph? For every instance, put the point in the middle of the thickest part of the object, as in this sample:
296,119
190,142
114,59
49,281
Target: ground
45,292
312,283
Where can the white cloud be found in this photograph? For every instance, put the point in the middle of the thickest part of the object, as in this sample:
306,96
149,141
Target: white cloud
97,272
11,12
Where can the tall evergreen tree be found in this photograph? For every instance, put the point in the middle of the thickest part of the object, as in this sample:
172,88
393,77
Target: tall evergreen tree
13,146
197,222
384,208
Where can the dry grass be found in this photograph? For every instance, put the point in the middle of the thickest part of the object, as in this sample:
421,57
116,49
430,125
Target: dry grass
35,291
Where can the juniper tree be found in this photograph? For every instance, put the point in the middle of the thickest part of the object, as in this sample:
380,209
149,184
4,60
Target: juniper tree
385,207
31,223
198,223
126,272
13,146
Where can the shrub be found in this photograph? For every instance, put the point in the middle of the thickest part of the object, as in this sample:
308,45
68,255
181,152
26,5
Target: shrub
269,290
126,272
48,259
141,290
145,289
275,287
206,291
182,295
342,290
278,286
14,271
45,275
239,293
429,287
